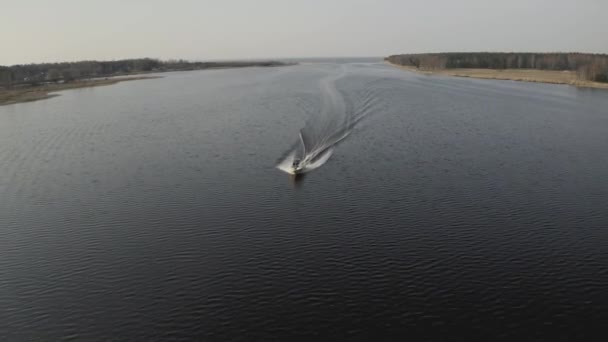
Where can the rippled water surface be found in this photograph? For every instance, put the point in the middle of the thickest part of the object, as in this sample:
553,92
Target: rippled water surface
152,210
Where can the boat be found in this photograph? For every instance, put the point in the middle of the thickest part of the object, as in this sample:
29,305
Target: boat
297,166
308,158
305,157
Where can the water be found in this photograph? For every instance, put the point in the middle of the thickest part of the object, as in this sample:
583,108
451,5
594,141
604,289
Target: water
152,210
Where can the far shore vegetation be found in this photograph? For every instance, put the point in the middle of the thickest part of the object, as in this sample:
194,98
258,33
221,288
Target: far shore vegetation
577,69
47,90
31,82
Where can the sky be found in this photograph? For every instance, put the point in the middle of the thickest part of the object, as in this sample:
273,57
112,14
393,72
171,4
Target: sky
33,31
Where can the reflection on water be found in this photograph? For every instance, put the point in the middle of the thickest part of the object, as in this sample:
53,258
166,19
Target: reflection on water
297,179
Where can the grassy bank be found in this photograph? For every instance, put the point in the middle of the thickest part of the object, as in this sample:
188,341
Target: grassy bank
523,75
21,83
28,94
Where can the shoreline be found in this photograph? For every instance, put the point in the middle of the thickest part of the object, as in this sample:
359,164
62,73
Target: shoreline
29,94
41,92
519,75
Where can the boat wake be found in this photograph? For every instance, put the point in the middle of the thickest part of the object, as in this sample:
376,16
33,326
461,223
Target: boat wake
322,132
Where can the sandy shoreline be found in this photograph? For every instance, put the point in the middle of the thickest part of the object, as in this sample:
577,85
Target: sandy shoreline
522,75
29,94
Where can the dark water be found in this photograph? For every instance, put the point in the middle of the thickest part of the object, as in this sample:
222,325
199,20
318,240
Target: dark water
152,210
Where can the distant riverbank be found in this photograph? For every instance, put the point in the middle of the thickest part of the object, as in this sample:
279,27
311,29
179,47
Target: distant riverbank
573,68
522,75
32,82
47,91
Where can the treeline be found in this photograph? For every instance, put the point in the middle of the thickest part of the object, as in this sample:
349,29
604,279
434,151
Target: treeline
591,67
36,74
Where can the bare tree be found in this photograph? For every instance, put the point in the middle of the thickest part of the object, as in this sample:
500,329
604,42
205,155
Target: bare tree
53,75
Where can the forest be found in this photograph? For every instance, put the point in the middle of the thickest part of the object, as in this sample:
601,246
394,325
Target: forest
589,67
38,74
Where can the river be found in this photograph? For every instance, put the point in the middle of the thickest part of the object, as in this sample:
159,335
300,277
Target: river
153,210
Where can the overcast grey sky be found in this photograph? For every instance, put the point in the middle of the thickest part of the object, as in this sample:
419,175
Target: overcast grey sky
47,31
